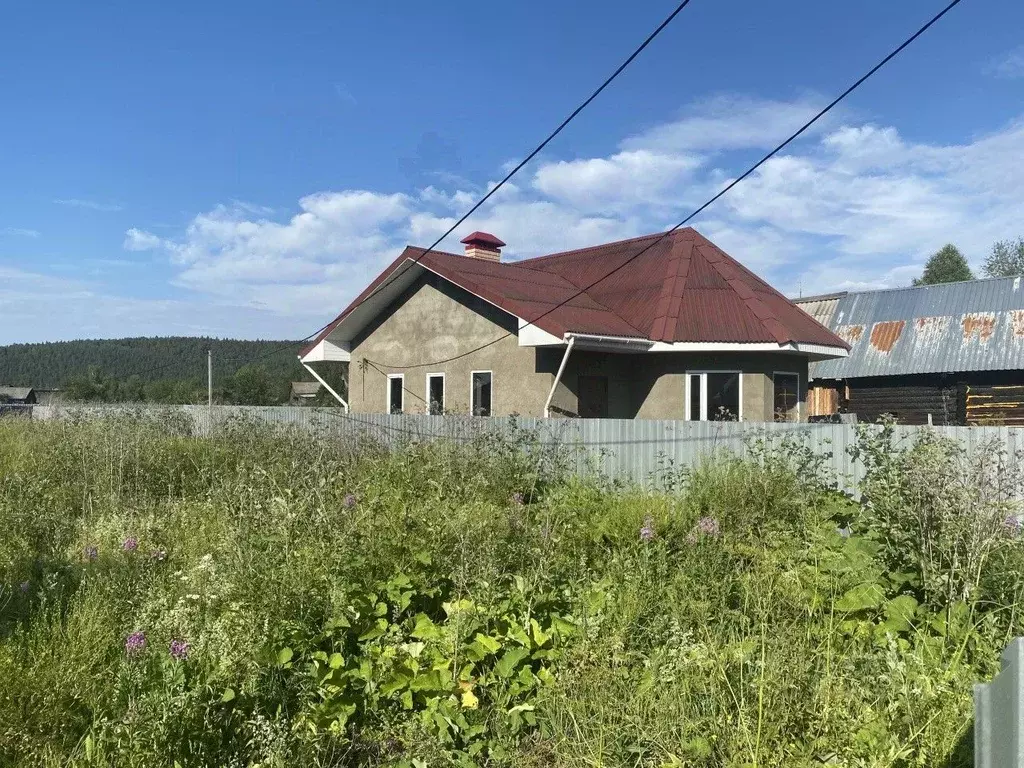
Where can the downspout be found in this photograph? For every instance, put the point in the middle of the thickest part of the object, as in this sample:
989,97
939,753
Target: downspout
558,377
325,385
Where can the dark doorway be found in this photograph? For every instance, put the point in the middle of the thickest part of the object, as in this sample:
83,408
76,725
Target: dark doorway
593,397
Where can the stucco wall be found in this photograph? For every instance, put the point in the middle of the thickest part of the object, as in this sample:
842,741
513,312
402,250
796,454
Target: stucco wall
435,320
660,390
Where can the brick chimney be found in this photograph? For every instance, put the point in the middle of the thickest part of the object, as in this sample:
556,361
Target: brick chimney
483,245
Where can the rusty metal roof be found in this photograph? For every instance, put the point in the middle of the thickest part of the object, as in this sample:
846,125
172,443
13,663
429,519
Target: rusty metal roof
971,326
820,308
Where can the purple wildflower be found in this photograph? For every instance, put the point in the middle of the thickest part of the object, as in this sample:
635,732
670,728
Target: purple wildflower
708,526
350,500
25,586
518,499
1013,524
130,544
647,530
158,554
135,643
91,552
845,532
179,650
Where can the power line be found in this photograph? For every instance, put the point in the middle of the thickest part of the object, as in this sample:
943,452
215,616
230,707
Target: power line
860,81
539,148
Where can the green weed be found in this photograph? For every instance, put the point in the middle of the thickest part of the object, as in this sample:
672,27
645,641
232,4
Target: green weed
297,600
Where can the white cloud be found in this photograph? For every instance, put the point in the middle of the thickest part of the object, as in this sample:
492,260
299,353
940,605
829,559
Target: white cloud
632,177
1010,65
731,122
19,232
93,205
139,240
854,205
881,203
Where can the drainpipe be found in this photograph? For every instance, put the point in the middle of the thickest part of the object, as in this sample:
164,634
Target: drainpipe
558,377
325,385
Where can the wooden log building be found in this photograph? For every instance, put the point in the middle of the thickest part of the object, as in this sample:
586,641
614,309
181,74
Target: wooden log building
951,354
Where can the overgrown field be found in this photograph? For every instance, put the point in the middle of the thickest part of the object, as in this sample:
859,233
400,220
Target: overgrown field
274,599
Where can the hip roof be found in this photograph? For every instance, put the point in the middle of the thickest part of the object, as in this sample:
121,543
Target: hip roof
681,288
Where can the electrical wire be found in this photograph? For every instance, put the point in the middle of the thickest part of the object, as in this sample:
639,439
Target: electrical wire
536,150
508,176
800,131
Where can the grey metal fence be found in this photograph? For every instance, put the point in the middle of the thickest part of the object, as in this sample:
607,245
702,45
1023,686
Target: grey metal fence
640,451
999,713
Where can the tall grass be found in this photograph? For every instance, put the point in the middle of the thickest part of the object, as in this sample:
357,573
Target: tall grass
463,604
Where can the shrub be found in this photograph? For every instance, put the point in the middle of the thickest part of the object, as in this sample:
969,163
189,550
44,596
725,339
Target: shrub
271,597
940,513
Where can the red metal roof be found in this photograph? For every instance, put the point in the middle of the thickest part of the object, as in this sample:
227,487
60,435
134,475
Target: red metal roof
682,289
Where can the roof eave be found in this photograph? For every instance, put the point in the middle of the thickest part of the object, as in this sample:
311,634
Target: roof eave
381,293
606,342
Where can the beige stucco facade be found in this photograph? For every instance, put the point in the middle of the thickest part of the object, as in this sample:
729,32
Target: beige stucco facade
436,321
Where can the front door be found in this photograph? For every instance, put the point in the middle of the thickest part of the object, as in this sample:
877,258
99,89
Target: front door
593,397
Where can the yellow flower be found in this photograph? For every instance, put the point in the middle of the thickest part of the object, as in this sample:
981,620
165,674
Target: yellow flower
469,699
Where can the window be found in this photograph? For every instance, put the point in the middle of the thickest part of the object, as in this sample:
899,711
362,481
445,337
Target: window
435,393
481,404
396,392
693,401
713,396
787,396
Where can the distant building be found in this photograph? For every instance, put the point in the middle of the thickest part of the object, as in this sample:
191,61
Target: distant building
48,396
17,396
953,352
304,392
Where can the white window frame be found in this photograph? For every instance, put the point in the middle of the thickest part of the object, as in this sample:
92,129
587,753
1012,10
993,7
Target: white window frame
472,405
799,402
703,373
444,390
387,393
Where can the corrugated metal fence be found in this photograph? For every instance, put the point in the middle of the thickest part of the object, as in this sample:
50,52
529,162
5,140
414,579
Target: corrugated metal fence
999,713
630,450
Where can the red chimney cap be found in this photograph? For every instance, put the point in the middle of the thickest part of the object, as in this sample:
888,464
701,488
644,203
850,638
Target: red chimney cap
482,238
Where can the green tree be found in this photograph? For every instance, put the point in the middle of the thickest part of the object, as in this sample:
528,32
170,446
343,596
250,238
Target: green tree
947,265
93,386
251,385
1006,259
336,375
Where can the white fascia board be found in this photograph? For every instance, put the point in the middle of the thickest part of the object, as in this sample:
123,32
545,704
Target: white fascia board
532,336
822,349
329,351
760,346
630,344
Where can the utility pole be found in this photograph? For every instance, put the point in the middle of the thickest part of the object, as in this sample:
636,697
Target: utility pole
209,378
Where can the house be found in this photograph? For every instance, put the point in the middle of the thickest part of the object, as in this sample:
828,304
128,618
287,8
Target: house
17,396
682,331
951,354
48,396
304,392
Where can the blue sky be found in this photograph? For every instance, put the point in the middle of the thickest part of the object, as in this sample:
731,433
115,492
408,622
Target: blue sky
243,169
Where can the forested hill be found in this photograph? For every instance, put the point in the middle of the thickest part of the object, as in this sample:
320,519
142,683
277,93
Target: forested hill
53,364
